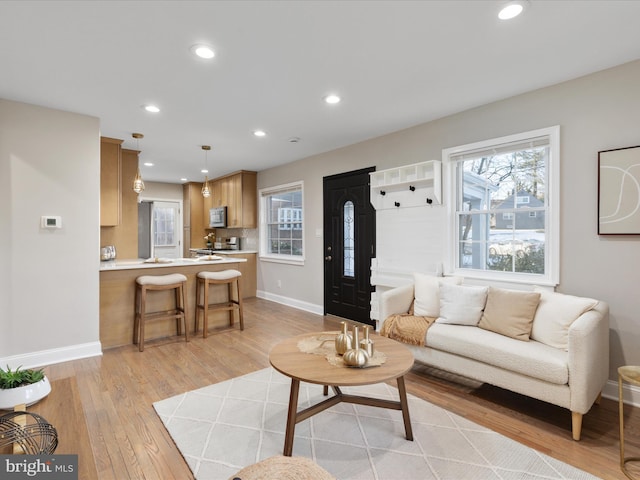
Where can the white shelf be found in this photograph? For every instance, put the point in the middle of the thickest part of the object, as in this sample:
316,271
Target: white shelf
407,186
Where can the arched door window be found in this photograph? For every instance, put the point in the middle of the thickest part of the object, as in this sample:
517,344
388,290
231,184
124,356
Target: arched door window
347,218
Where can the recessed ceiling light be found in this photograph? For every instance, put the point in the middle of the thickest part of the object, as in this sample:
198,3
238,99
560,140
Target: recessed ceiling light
151,108
204,170
203,51
148,164
332,99
512,9
183,179
260,133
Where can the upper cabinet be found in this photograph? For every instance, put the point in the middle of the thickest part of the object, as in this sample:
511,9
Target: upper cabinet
407,186
193,218
238,192
110,184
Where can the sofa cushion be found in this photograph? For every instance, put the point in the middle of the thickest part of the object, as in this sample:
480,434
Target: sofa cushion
461,304
510,312
533,359
554,316
427,293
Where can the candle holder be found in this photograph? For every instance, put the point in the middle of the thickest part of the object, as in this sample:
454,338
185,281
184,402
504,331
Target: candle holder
343,340
366,343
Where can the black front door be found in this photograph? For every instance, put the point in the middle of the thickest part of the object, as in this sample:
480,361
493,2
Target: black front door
349,245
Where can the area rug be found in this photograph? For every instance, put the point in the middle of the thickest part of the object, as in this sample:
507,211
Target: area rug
224,427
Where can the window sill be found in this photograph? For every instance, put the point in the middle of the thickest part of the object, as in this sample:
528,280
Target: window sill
289,260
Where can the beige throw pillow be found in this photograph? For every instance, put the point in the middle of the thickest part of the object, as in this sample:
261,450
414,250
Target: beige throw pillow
461,304
427,293
510,312
555,315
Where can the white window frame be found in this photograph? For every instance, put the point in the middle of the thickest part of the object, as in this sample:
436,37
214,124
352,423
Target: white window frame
298,217
551,274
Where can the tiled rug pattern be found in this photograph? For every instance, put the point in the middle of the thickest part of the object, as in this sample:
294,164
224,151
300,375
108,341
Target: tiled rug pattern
224,427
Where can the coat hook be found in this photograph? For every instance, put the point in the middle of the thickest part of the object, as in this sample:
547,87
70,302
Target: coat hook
412,188
382,192
397,204
429,201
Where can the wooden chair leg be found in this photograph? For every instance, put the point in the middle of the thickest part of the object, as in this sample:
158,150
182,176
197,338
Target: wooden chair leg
205,310
183,308
136,317
143,306
576,425
240,314
232,319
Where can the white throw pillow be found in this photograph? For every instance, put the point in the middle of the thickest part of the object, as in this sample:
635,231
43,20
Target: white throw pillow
556,312
427,293
461,305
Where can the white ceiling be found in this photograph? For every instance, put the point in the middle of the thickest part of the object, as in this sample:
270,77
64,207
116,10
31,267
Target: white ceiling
395,64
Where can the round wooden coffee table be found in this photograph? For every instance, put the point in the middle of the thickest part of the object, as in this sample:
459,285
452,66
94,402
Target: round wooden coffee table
287,358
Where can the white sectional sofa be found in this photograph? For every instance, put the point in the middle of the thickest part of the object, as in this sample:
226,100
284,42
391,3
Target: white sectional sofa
562,359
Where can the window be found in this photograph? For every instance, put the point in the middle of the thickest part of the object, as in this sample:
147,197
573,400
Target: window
282,224
349,235
163,226
503,208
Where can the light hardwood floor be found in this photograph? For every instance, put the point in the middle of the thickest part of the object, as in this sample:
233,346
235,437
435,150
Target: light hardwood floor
102,406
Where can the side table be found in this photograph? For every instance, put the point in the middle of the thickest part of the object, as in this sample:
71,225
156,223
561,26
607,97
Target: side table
631,375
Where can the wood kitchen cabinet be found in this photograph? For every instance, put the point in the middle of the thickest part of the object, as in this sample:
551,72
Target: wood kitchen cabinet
238,192
110,183
194,226
249,272
124,236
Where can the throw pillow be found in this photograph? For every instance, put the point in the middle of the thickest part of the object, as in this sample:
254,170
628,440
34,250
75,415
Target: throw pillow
461,305
427,293
510,312
555,315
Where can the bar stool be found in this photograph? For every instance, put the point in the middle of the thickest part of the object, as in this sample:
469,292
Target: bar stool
157,283
631,375
203,281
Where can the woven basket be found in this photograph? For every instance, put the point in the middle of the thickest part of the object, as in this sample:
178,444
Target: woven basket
283,468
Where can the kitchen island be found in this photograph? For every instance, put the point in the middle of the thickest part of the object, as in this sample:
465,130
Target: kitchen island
117,295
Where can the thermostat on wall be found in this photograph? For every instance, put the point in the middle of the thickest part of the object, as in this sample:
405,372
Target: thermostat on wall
50,222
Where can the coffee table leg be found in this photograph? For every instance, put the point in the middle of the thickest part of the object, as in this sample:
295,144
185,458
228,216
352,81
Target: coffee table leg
405,408
291,418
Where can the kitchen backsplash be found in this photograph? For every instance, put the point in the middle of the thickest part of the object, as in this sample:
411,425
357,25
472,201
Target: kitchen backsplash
249,236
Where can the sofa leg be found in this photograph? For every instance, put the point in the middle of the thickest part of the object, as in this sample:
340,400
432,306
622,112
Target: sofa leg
576,425
598,398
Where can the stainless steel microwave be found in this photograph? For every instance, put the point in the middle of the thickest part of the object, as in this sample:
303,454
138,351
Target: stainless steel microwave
218,217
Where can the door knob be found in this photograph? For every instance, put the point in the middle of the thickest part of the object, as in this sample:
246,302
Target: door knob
328,258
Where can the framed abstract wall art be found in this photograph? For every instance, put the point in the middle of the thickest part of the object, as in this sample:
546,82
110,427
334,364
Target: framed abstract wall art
619,191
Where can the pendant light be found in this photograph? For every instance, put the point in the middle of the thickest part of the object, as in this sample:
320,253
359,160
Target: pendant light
206,191
138,184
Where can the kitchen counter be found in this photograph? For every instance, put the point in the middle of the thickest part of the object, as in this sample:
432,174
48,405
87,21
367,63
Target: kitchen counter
223,252
136,263
117,296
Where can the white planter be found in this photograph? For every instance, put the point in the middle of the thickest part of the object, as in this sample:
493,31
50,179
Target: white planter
28,394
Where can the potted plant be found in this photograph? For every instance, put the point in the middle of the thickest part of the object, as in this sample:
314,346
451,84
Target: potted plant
19,387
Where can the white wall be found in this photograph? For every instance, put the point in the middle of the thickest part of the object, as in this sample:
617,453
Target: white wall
596,112
170,192
49,165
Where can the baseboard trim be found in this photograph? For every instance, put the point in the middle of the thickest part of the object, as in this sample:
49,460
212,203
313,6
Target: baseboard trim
291,302
631,393
54,355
